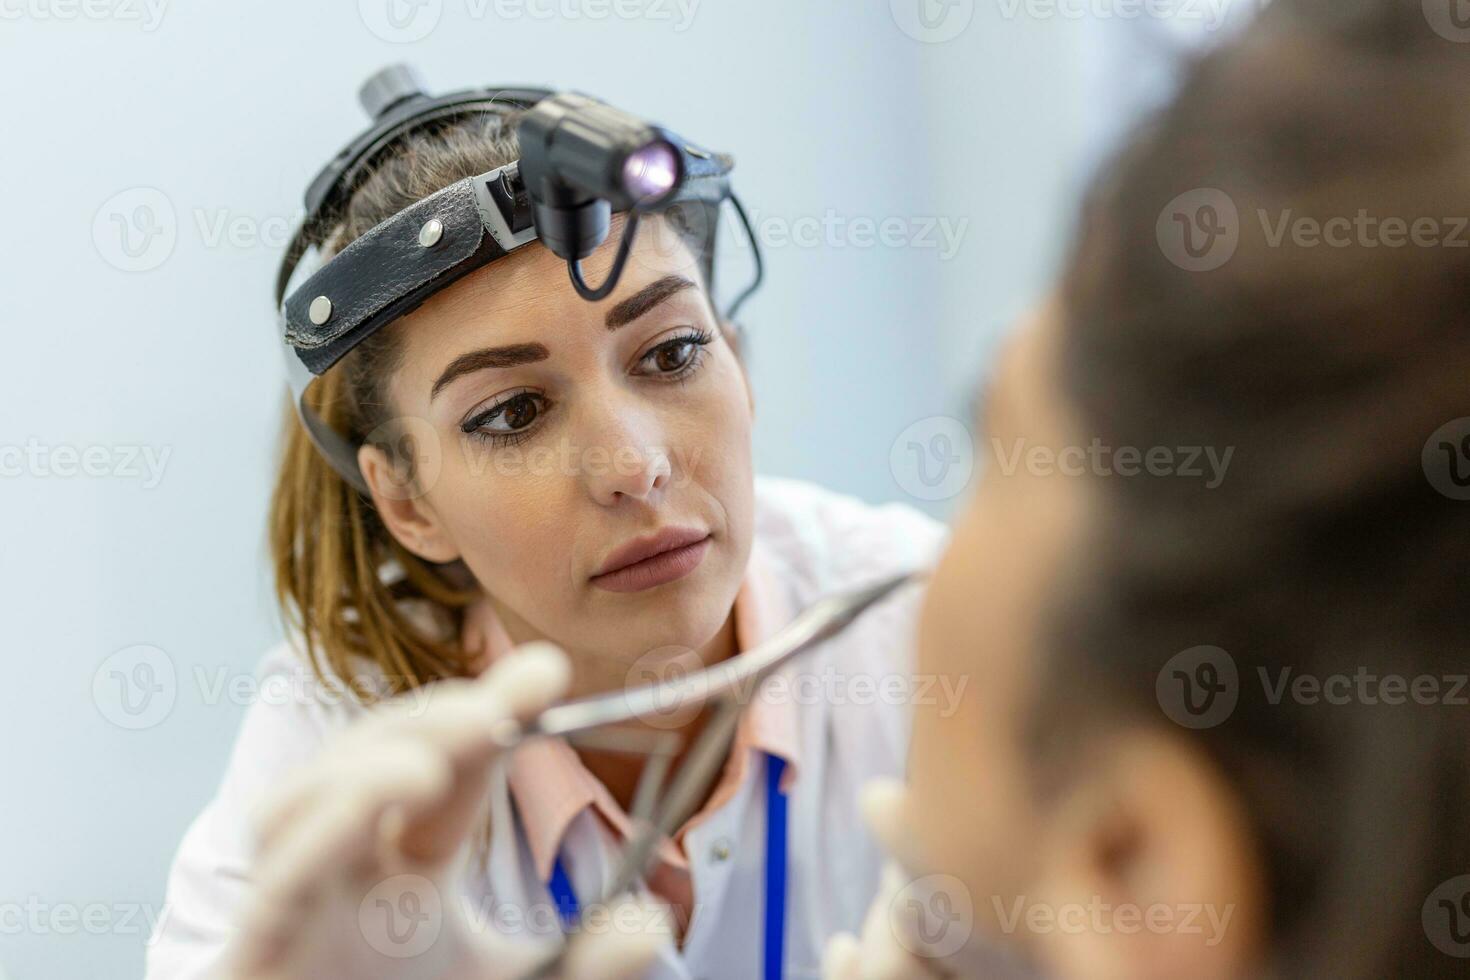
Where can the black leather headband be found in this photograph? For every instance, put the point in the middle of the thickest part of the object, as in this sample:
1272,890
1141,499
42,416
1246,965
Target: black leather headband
387,272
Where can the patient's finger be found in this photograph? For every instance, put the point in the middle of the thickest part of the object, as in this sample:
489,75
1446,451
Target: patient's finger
842,959
884,805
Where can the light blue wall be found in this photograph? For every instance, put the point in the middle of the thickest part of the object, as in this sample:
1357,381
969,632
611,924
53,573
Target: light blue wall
220,113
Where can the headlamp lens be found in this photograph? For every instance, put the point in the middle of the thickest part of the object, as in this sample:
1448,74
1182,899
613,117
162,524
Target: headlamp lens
651,172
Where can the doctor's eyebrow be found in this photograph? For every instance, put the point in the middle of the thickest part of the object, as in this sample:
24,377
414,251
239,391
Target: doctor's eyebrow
510,355
645,299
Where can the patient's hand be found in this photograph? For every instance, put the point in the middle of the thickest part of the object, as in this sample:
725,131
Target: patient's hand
358,854
878,954
894,945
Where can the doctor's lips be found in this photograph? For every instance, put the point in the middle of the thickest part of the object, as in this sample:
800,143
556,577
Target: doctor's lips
653,560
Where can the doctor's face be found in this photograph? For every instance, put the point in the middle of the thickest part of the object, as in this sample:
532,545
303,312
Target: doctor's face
589,462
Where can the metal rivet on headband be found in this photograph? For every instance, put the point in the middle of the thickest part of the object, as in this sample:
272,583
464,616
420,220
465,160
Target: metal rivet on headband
431,232
320,311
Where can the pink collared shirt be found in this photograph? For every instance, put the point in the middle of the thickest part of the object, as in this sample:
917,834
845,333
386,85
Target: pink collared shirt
551,786
839,717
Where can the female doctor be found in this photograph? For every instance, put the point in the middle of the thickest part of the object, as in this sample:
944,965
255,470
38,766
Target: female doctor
582,480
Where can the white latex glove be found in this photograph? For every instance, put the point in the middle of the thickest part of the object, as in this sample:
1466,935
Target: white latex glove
359,853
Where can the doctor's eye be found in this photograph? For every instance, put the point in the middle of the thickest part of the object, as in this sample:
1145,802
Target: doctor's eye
678,357
507,421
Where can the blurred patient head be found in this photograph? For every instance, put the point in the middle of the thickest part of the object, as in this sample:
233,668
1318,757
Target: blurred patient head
1219,731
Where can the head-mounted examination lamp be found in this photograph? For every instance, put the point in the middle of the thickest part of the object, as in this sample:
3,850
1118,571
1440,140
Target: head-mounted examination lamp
581,161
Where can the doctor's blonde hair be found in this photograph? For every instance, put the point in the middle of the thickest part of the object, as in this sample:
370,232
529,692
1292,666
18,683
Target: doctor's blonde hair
342,581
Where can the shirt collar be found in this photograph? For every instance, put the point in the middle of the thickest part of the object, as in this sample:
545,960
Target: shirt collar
550,784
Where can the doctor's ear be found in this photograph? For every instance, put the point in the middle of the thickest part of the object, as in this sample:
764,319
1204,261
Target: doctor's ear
400,463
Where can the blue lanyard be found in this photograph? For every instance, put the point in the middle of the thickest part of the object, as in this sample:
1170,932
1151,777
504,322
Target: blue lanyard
568,908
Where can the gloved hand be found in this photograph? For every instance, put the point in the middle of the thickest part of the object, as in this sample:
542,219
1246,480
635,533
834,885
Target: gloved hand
359,852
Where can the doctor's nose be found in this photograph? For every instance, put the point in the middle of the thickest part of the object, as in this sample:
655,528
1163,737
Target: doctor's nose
627,471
